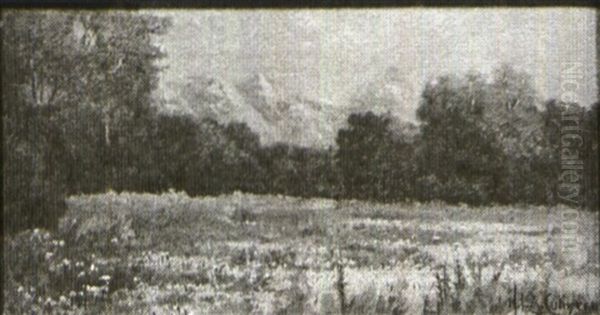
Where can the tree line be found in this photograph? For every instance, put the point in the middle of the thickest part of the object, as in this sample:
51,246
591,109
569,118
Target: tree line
79,116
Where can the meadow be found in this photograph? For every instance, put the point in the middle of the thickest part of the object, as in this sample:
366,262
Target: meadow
262,254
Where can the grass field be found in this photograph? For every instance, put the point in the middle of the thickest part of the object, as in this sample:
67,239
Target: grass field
241,253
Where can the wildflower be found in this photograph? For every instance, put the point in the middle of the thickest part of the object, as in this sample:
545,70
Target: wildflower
49,255
50,302
105,278
61,243
81,274
66,262
92,267
92,289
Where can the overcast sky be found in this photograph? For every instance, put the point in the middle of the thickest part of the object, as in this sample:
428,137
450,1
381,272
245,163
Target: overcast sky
330,54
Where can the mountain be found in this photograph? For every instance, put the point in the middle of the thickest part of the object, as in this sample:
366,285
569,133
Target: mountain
256,102
276,117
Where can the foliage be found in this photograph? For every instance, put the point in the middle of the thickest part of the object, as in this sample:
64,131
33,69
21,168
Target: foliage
463,159
79,93
373,162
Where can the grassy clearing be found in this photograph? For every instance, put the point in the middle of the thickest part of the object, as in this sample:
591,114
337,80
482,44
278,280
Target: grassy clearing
241,253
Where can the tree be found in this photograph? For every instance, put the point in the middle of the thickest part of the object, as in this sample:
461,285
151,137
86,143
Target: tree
374,163
121,69
62,74
459,158
32,88
513,115
238,165
489,137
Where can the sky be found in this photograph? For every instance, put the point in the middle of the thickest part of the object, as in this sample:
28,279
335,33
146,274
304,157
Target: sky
331,54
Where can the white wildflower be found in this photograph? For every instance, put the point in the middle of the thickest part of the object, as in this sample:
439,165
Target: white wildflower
94,290
50,302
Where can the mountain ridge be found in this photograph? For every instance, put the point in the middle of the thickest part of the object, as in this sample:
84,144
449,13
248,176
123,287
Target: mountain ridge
275,117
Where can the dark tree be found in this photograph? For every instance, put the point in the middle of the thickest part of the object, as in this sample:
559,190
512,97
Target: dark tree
458,156
76,99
